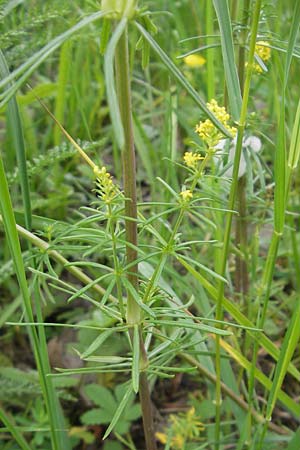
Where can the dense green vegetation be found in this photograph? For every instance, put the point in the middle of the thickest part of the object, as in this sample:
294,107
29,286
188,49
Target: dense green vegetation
149,224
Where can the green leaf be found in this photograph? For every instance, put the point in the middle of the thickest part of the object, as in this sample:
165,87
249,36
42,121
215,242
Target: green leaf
97,343
119,411
95,416
292,41
13,429
235,312
133,412
294,442
231,76
113,445
136,297
101,396
294,152
290,342
112,98
16,132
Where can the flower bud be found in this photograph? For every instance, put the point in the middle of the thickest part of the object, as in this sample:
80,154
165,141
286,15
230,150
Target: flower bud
119,8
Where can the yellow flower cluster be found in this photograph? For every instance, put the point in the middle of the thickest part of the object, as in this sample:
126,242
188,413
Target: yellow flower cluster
194,61
105,185
185,428
191,159
207,130
186,195
262,50
177,442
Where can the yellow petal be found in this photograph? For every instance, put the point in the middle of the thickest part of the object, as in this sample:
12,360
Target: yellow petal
194,61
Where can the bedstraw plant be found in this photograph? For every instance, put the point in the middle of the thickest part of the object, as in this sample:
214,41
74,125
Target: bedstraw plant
169,290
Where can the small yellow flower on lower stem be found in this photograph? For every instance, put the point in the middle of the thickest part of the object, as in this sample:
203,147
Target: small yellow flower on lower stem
186,195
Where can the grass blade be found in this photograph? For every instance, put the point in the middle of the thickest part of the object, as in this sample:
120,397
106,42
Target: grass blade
287,401
13,430
294,152
56,423
16,132
292,41
231,76
290,342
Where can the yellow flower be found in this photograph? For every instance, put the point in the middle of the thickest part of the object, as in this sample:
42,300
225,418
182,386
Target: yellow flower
161,437
106,189
194,61
207,130
262,50
178,441
186,195
191,159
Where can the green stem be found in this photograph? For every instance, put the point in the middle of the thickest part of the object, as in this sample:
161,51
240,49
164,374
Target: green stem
129,171
159,267
210,52
241,237
133,312
116,260
231,205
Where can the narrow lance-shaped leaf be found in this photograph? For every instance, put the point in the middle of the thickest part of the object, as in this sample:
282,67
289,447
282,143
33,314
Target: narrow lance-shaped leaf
13,430
16,133
294,152
291,340
292,40
96,344
110,83
118,412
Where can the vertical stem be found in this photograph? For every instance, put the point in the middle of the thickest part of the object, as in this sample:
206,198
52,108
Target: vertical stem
129,170
231,204
241,235
210,52
133,312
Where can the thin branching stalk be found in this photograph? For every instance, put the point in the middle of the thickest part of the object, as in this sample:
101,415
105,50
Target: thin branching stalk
169,245
231,205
